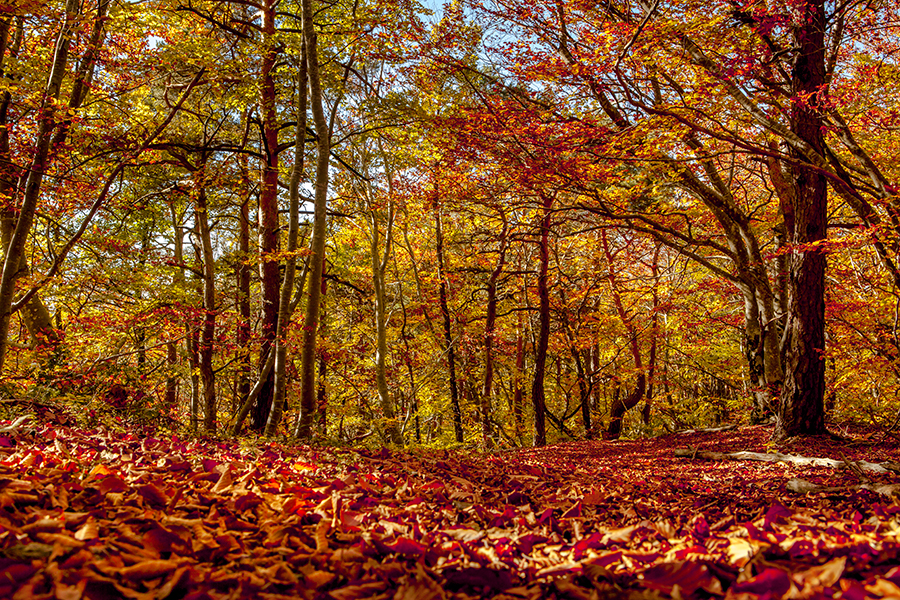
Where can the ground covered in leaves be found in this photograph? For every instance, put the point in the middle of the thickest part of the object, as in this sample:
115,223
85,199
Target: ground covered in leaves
91,514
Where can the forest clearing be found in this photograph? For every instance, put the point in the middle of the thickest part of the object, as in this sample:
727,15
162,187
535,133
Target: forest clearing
340,299
98,514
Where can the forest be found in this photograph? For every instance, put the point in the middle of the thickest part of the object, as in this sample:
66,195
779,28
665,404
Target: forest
333,260
491,224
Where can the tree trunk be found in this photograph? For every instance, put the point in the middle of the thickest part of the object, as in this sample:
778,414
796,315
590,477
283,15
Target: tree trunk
802,409
47,121
621,405
317,243
518,397
208,330
268,209
242,271
448,334
489,333
177,282
290,270
538,399
379,259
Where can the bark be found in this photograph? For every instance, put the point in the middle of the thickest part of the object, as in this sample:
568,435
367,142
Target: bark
47,122
290,270
268,209
802,408
489,333
322,369
379,259
621,404
654,339
448,334
518,397
413,410
242,271
208,327
35,315
317,243
538,398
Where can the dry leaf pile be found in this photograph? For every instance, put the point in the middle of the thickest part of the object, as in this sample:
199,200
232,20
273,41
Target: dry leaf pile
89,514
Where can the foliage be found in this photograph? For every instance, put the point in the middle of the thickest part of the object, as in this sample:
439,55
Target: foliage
99,513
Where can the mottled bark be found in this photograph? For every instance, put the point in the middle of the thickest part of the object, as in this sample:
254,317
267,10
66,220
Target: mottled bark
802,410
317,243
268,209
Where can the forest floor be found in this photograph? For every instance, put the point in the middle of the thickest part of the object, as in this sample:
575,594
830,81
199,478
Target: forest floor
91,514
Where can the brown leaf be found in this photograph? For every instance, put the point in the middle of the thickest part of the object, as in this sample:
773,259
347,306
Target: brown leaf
88,531
148,569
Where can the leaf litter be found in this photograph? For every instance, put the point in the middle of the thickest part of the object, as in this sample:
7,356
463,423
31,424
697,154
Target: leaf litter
94,514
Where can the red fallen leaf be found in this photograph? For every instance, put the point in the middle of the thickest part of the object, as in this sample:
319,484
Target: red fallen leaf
479,578
6,442
112,484
406,547
591,542
573,512
689,576
153,495
776,514
247,502
643,557
852,590
528,541
605,560
163,540
772,580
685,552
148,569
546,517
700,527
14,573
802,548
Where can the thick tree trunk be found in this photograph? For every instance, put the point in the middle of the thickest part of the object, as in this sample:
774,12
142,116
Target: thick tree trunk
538,399
268,210
754,352
448,333
801,410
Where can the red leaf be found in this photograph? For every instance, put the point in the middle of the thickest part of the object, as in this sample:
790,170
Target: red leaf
689,576
772,580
